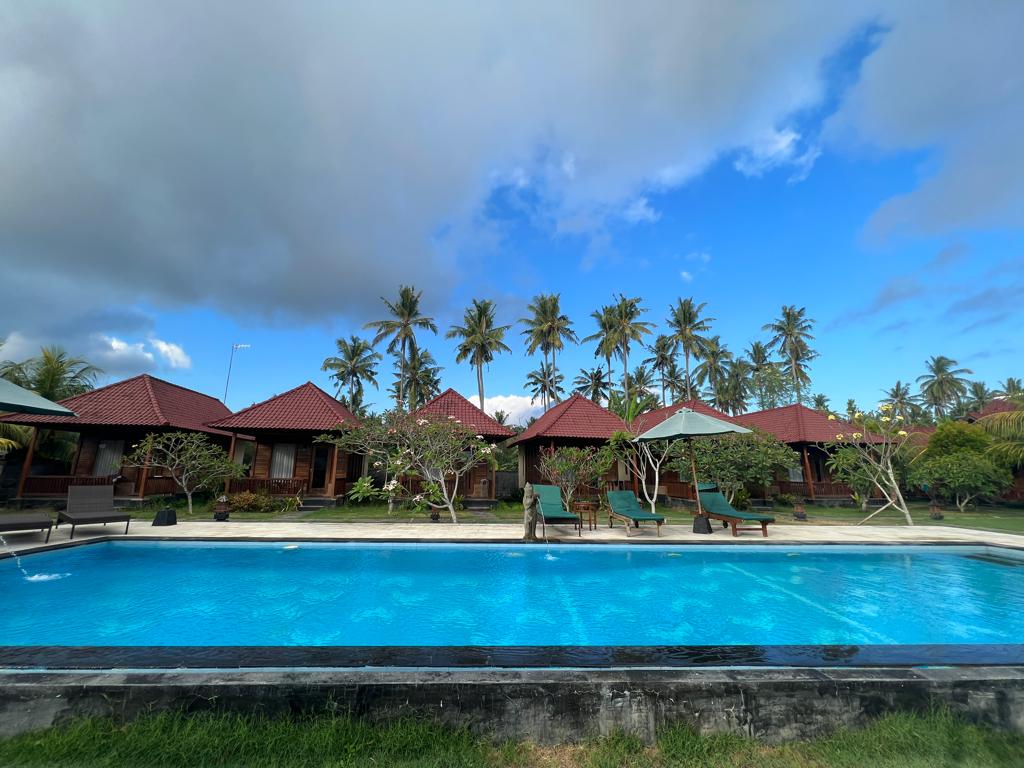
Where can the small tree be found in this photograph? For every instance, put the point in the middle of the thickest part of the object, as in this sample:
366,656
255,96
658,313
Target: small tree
879,443
847,467
961,477
373,438
645,460
195,463
574,468
734,460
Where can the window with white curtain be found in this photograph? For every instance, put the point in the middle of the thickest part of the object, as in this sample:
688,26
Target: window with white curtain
282,460
108,458
796,474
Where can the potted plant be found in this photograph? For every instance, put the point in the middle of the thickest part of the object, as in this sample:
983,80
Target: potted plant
220,509
799,511
935,511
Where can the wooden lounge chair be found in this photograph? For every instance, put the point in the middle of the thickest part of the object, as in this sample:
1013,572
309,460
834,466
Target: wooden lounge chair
91,504
624,506
718,508
26,520
552,510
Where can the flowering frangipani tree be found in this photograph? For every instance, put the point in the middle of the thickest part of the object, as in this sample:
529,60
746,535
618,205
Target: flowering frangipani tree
374,439
878,440
440,451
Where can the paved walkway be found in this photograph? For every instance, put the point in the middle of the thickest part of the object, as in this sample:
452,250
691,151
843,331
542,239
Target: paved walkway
671,534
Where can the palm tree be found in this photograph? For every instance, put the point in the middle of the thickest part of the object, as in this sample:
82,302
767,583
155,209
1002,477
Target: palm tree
502,417
791,336
421,376
675,381
641,380
713,367
606,338
1008,430
481,339
545,383
851,410
593,383
663,356
1011,387
406,318
53,374
355,363
547,328
732,397
820,403
943,385
687,326
978,396
628,328
902,402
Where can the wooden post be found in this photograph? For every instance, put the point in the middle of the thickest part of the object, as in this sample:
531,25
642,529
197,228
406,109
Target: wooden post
143,477
334,471
808,477
27,464
494,482
693,466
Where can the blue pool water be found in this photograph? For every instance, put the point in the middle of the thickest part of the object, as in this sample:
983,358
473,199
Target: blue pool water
312,594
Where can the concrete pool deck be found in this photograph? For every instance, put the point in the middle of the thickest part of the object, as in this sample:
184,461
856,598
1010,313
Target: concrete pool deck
24,543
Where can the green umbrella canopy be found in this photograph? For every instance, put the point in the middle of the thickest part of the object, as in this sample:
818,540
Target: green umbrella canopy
20,400
688,423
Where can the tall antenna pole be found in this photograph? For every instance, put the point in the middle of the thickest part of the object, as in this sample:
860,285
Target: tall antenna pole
231,361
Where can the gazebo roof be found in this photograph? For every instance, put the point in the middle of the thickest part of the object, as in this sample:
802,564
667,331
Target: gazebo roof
307,408
646,421
451,403
141,401
795,424
577,418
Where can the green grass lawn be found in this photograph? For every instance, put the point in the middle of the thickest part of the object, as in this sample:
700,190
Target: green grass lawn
229,741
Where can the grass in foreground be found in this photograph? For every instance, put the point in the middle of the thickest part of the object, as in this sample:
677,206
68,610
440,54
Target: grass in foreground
172,740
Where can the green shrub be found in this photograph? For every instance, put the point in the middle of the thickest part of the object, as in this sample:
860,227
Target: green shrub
248,501
783,500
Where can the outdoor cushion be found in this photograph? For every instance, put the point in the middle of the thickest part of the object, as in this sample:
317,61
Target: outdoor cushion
551,507
624,503
714,503
27,520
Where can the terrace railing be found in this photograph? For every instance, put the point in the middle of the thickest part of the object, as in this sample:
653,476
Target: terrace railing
274,486
57,485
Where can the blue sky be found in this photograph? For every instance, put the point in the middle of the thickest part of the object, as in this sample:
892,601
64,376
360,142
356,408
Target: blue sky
864,163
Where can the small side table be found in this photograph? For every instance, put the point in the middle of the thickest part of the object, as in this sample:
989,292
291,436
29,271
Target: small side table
587,510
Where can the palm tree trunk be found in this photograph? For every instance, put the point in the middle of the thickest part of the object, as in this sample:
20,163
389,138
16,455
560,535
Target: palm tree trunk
554,375
686,354
401,378
480,383
663,403
625,375
796,379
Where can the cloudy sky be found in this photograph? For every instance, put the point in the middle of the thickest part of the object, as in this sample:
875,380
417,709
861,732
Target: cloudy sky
180,176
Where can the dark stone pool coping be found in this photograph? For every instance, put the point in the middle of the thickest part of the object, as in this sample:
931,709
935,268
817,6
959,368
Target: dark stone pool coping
514,657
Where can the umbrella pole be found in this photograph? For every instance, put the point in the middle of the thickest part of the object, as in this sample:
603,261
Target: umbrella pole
693,466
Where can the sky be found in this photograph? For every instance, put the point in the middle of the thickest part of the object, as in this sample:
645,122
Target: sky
179,177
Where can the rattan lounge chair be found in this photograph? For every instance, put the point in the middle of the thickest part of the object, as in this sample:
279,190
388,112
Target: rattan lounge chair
91,504
552,510
26,520
718,508
624,506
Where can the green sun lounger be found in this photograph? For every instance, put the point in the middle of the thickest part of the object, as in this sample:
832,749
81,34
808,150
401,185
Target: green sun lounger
552,510
624,506
718,508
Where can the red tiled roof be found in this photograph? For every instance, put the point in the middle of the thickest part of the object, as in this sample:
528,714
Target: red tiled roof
451,403
996,406
141,401
306,408
795,424
652,419
576,417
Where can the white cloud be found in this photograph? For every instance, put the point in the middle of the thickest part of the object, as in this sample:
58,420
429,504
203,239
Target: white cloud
686,276
701,256
118,357
776,149
639,211
173,354
519,407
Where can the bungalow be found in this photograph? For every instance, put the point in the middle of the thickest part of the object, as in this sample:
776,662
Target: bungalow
108,422
807,432
274,442
479,484
573,422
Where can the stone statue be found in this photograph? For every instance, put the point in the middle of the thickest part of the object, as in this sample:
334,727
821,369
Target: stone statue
530,503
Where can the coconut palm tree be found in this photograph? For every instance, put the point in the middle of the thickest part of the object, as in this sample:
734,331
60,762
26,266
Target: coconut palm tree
687,326
628,328
641,381
422,377
714,366
675,381
978,396
546,384
1011,387
406,318
547,328
606,338
791,334
1008,430
851,410
355,363
502,417
481,339
53,374
732,395
903,403
820,403
663,356
593,383
943,385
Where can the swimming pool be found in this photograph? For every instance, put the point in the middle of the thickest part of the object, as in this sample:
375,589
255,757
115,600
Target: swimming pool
310,594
